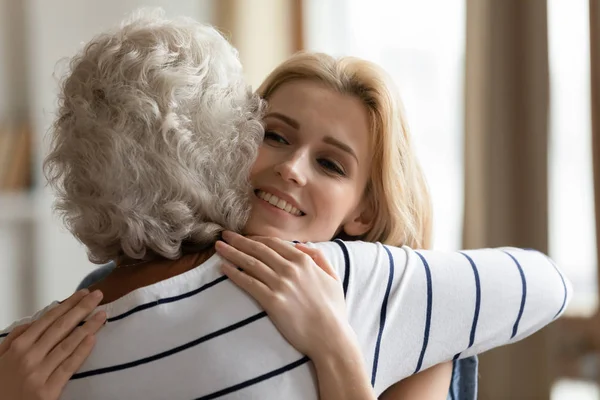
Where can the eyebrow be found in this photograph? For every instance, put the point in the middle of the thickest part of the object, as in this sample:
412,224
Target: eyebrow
290,121
327,139
342,146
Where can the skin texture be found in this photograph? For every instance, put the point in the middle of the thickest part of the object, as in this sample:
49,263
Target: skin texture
32,365
298,160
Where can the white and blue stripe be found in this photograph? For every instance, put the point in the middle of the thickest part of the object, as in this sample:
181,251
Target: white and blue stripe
197,336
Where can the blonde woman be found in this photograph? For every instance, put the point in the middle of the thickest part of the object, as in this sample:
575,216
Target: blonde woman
155,139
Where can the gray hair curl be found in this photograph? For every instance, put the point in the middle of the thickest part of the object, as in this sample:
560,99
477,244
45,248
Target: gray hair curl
154,140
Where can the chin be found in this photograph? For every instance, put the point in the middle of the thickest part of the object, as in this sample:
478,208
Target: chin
264,230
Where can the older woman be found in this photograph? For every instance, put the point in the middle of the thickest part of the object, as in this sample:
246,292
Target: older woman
156,137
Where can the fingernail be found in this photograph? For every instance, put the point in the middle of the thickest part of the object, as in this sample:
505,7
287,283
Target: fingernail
79,293
100,316
97,294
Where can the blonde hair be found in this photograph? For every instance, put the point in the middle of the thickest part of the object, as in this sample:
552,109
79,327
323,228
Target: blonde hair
397,190
154,140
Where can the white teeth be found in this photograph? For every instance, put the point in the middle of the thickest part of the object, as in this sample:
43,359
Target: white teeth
279,203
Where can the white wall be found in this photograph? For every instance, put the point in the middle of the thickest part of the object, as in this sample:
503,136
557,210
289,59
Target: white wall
39,260
13,68
15,228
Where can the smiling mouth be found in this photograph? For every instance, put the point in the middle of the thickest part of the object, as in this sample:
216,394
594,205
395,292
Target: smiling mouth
279,203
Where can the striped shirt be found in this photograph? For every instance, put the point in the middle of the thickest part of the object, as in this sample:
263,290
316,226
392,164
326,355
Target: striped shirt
198,336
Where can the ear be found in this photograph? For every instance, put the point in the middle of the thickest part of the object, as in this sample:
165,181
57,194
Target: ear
361,221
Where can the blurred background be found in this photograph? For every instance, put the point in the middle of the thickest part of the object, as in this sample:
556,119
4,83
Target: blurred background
503,98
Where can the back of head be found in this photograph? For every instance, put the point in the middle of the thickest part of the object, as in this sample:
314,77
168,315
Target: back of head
154,140
397,190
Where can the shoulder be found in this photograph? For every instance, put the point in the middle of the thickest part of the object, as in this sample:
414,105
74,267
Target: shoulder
361,255
357,248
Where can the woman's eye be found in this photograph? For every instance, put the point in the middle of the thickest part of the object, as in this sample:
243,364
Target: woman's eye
331,166
273,136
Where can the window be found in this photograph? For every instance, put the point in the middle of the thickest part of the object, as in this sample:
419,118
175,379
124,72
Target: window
571,197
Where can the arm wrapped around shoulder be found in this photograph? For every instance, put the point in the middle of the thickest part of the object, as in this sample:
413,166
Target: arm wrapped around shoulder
412,309
481,299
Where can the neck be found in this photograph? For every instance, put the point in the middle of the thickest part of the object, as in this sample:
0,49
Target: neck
130,276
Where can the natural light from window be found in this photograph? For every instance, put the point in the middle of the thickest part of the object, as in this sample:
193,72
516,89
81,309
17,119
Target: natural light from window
571,197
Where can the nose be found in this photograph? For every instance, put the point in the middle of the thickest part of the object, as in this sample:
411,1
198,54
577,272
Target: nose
292,170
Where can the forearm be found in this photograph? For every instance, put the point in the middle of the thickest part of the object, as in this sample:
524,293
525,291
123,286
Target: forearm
445,304
431,384
341,371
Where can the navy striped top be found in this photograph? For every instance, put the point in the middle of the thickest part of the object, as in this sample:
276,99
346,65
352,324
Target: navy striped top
197,336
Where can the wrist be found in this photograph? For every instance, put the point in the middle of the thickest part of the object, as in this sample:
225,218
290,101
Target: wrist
337,348
341,370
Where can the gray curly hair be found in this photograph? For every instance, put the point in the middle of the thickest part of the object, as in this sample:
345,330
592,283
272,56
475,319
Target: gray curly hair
154,140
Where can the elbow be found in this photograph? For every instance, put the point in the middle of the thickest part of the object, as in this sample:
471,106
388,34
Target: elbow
564,295
560,286
562,290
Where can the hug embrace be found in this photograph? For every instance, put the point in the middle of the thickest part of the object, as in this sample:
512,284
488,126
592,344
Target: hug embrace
267,244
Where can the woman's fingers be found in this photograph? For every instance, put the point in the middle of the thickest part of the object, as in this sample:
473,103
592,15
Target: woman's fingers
319,259
65,324
295,253
15,333
256,250
255,288
285,249
53,345
68,347
275,252
61,375
37,328
251,266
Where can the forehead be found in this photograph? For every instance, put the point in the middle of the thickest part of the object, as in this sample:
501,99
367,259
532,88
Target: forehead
321,110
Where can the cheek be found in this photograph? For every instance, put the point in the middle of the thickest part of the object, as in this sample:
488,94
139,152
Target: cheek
336,203
261,162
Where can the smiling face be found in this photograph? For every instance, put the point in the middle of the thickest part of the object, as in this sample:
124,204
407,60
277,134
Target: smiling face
313,166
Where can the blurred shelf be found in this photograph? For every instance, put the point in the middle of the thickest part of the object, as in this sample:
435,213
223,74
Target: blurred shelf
17,207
